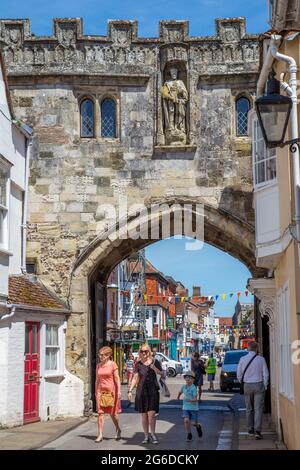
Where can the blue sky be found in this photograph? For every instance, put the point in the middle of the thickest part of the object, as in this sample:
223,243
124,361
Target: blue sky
95,13
212,269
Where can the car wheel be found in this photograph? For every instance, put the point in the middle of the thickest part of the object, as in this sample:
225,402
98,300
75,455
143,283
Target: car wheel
223,389
171,372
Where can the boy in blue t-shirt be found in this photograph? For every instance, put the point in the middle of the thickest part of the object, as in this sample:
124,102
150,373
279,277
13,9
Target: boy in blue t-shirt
190,405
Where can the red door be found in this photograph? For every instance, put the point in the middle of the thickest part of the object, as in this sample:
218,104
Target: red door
31,372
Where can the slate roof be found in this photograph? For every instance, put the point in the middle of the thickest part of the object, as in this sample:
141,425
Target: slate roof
28,290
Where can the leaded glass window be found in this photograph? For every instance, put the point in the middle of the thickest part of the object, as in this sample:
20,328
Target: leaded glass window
87,118
108,118
242,110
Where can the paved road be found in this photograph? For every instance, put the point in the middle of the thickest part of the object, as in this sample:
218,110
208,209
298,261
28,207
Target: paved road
214,415
170,433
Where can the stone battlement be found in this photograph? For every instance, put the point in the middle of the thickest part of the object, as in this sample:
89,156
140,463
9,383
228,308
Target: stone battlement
121,32
68,51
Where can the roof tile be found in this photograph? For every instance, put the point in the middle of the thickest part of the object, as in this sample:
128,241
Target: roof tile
29,291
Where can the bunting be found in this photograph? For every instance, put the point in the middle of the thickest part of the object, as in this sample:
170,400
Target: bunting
177,298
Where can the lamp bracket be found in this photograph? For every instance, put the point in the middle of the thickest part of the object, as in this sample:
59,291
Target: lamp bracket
292,143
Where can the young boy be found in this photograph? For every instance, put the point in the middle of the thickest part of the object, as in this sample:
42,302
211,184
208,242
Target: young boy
190,405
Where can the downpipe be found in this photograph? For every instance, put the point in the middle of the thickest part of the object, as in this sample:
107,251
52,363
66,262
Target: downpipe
291,90
25,206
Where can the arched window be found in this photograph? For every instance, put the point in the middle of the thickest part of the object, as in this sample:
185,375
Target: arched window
242,109
108,118
87,118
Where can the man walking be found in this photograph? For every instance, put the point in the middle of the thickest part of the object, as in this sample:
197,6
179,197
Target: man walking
253,372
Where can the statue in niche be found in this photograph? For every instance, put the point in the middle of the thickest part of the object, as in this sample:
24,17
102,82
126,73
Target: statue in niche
174,97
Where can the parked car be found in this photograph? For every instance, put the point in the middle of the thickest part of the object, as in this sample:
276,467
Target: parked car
173,367
228,376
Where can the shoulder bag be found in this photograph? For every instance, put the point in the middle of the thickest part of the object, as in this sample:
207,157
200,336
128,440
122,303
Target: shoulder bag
242,381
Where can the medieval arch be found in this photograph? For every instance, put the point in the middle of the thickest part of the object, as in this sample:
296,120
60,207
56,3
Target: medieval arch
223,230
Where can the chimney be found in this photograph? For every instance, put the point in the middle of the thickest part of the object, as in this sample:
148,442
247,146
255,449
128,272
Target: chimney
196,291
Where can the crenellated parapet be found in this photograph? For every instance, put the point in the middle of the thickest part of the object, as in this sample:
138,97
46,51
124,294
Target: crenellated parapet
69,51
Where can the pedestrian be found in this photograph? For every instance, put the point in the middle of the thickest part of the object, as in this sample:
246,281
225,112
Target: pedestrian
253,372
108,391
129,365
147,393
211,369
190,405
198,367
156,356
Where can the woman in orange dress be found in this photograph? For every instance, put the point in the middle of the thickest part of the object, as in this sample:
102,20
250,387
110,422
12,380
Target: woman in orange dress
108,380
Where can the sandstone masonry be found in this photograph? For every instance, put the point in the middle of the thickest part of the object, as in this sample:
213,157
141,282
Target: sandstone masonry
71,177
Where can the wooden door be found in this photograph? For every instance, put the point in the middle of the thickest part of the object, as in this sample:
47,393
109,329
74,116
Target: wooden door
31,372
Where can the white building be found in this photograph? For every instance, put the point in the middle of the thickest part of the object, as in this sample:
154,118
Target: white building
210,329
34,384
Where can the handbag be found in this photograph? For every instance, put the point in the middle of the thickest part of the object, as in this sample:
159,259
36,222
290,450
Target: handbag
107,399
242,381
164,388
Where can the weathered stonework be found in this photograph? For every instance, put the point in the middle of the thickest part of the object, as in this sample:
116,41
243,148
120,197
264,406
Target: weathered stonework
72,177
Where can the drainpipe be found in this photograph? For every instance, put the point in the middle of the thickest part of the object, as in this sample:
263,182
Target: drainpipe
291,90
25,205
267,66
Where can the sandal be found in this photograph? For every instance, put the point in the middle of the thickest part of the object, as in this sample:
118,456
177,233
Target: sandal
118,435
99,439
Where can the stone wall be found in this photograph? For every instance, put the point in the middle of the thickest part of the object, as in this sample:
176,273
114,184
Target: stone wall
71,177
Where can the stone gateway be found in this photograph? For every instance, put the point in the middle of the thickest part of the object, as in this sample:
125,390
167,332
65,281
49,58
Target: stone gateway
152,119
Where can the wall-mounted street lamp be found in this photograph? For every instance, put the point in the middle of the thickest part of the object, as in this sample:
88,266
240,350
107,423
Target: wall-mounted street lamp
273,112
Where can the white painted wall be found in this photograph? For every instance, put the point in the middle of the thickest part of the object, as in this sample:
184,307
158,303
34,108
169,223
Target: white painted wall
4,266
15,221
3,371
13,151
12,141
266,204
61,395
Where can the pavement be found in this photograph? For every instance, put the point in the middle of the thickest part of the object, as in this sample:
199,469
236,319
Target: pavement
35,435
222,416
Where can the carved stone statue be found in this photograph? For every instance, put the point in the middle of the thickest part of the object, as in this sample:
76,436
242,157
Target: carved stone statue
174,97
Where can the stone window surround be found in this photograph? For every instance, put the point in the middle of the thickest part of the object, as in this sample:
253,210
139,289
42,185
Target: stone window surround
97,100
236,97
85,98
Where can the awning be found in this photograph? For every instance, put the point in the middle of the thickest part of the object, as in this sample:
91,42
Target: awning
153,341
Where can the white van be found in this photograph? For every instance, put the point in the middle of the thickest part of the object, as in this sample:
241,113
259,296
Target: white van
173,367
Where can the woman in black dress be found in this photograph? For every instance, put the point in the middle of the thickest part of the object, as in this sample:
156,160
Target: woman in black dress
147,393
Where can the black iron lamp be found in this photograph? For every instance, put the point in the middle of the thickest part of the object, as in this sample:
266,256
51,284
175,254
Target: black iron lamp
273,112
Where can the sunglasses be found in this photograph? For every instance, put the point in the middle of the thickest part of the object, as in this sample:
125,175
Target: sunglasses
144,351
